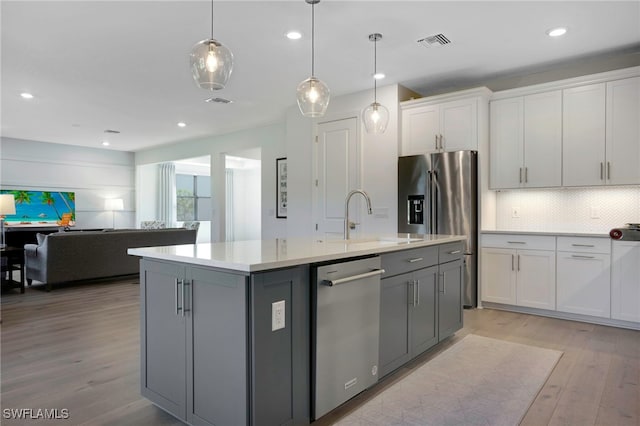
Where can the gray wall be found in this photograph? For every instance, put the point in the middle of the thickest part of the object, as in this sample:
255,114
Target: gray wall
93,174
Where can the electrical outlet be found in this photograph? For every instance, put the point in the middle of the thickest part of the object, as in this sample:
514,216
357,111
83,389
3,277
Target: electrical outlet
277,315
595,212
515,212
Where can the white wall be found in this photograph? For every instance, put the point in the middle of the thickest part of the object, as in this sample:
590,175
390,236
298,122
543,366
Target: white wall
568,209
270,139
246,205
93,174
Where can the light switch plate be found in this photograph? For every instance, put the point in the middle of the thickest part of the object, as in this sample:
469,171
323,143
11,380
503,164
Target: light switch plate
277,315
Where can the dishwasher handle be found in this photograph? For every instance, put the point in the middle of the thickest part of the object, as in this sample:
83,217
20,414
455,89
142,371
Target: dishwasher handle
373,273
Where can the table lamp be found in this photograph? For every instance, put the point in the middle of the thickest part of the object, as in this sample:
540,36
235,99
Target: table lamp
7,206
114,204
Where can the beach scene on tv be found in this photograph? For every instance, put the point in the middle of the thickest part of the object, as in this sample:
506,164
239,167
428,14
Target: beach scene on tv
42,207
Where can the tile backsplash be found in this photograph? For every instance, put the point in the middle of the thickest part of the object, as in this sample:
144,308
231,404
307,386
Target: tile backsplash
567,209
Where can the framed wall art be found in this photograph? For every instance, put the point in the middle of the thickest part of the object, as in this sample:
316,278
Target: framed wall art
281,188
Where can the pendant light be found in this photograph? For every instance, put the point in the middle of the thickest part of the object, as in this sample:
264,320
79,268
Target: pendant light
313,94
211,62
375,116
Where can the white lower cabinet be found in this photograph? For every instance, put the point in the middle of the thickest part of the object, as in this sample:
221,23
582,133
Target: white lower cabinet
625,281
519,276
583,276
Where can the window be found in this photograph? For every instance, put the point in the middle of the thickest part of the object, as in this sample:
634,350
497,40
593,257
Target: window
194,197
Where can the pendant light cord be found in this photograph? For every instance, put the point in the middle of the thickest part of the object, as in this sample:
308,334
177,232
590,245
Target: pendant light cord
212,19
313,31
375,69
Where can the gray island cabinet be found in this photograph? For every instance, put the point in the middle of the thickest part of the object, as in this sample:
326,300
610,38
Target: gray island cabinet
226,328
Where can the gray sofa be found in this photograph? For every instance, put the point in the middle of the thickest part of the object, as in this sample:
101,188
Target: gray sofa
72,256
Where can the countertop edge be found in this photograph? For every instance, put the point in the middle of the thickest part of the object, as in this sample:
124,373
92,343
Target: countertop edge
272,264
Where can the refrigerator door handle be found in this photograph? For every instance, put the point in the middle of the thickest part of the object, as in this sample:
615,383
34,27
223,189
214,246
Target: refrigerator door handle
434,202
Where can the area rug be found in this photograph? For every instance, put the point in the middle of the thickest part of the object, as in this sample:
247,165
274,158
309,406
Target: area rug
477,381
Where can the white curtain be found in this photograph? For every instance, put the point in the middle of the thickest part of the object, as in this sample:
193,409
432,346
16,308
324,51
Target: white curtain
167,193
228,227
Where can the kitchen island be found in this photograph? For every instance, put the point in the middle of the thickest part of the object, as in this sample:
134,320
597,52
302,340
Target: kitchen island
228,329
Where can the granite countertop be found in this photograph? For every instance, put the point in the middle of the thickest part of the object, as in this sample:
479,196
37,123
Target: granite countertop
263,255
551,233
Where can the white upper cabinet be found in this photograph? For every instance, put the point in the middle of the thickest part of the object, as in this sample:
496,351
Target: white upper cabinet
583,138
506,146
583,131
526,141
442,123
623,131
602,134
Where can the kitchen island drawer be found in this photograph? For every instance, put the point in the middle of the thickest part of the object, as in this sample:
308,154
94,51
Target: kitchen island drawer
450,252
409,260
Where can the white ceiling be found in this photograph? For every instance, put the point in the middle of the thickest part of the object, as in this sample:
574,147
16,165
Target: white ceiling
123,65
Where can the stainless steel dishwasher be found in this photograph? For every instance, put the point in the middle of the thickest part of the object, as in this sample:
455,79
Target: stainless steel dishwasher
347,320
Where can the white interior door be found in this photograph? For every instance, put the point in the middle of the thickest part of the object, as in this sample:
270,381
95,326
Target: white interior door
337,162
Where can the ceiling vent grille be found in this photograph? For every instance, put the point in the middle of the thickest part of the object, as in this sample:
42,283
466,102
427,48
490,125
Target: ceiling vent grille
218,100
434,41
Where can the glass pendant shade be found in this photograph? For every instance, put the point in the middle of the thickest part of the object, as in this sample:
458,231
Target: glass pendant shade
313,97
211,64
375,118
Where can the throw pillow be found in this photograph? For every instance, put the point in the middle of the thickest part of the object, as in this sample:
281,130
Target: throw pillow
40,238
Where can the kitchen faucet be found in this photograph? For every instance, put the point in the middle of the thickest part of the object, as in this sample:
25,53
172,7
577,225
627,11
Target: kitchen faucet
347,224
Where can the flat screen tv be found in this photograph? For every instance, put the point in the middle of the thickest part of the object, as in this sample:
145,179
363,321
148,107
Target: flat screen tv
42,207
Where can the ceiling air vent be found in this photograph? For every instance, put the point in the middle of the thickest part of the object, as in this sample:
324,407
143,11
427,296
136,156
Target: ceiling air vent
218,100
434,41
113,132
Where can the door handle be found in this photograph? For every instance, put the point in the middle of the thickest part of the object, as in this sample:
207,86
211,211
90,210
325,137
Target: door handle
455,252
577,256
512,262
178,307
518,262
185,284
520,175
417,289
441,283
414,260
526,175
601,170
608,170
436,142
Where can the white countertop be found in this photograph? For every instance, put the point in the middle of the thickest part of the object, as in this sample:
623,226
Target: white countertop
552,233
262,255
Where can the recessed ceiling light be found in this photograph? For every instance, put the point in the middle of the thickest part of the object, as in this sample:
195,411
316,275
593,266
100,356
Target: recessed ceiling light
182,124
556,32
379,76
26,95
294,35
105,143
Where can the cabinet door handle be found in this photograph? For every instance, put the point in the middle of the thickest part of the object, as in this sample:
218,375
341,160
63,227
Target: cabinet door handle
442,281
185,284
526,175
518,262
513,257
582,245
455,252
608,170
417,259
417,292
601,170
436,142
178,307
516,242
520,173
441,143
577,256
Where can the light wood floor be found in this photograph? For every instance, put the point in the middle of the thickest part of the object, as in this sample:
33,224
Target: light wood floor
76,348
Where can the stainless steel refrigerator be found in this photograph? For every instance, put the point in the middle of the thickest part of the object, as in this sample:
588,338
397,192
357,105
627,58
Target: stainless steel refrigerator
438,194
